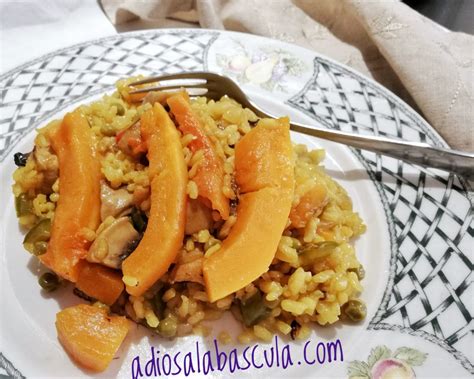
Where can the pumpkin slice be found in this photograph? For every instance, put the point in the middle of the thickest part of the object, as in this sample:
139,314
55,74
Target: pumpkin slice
79,201
264,170
209,177
90,336
165,231
100,282
264,157
311,203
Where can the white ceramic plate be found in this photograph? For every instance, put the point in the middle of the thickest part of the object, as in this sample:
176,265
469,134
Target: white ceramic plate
417,250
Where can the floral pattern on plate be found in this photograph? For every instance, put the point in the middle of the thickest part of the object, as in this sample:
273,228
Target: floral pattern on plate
267,67
382,363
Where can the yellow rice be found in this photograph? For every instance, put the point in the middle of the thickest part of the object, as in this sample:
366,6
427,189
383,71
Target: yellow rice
293,289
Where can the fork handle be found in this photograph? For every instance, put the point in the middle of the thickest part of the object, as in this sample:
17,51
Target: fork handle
423,154
458,162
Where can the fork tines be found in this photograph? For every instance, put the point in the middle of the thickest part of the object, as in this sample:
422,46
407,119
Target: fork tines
189,80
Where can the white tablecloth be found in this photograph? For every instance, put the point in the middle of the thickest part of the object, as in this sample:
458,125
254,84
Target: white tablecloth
31,28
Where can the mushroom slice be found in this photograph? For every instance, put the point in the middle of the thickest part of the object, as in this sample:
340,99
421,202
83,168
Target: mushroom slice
111,246
45,159
114,202
47,163
198,217
189,272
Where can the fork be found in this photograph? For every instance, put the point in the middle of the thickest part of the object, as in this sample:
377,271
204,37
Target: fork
215,86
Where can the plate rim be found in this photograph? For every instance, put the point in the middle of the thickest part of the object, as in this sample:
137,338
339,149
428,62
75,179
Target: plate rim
400,101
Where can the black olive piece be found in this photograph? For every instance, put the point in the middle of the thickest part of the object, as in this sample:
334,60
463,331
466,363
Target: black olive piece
139,220
144,160
20,159
253,123
295,326
76,291
233,203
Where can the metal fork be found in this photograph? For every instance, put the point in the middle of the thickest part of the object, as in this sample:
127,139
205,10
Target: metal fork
214,86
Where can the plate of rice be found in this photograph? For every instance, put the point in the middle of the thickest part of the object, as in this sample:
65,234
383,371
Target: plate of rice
174,235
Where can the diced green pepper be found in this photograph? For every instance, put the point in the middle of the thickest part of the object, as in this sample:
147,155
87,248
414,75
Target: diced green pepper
120,109
23,205
359,271
40,247
318,250
355,310
37,238
254,309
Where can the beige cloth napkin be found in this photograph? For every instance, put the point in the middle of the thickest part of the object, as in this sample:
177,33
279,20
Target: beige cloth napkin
429,67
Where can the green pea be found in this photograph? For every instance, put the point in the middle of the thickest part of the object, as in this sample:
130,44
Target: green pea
167,327
49,281
355,310
40,247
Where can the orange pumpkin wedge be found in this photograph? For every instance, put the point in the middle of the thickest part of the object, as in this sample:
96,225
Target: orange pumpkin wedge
165,231
100,282
79,201
209,177
311,203
263,158
264,170
90,336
